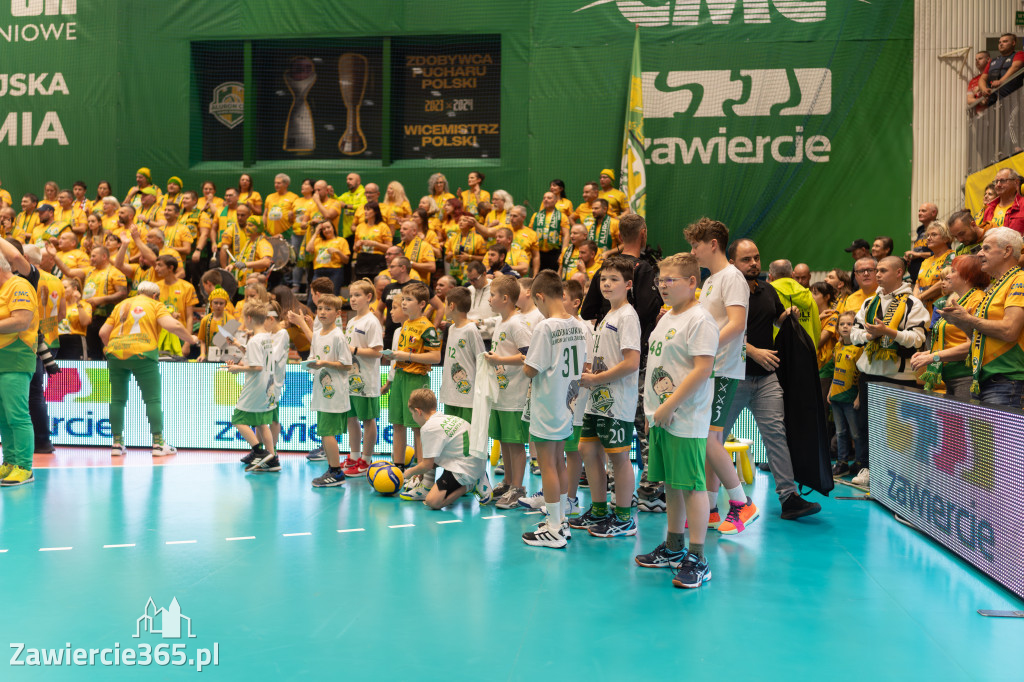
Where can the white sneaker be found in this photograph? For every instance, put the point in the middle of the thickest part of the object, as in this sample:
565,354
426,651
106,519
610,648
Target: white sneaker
483,490
164,450
546,536
417,493
573,510
863,478
118,450
534,501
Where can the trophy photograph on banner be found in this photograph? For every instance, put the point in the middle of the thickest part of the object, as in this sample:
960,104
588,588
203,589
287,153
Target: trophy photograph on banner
353,72
299,131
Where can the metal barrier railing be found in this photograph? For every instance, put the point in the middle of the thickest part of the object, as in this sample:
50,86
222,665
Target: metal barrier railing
996,131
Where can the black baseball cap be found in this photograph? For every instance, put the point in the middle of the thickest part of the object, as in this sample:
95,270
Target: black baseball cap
44,207
857,244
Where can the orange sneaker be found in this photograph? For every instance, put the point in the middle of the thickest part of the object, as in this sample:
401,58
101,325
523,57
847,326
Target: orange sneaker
715,519
741,514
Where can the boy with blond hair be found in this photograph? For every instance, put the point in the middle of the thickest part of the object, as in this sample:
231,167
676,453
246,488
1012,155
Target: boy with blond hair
329,361
257,401
509,345
677,405
463,345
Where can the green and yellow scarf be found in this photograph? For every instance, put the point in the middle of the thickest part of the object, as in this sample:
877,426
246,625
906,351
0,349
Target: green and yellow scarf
977,338
882,348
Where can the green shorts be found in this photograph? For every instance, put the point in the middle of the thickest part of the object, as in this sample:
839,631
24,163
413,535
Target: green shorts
402,387
243,418
721,401
615,435
465,413
676,461
331,423
508,427
362,408
573,444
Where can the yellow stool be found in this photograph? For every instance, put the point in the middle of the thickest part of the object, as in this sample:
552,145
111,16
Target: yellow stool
740,450
495,453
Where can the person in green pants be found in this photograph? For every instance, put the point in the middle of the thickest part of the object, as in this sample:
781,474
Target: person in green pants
19,327
130,337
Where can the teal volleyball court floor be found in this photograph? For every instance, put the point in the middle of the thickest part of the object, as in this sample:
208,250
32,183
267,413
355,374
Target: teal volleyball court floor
282,581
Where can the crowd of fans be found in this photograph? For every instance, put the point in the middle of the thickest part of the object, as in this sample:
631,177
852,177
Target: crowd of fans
945,315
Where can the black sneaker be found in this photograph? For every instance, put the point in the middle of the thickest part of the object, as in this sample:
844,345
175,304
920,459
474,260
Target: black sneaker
264,465
693,572
586,520
656,504
544,536
763,466
614,527
840,469
795,506
317,455
330,478
254,454
661,557
584,483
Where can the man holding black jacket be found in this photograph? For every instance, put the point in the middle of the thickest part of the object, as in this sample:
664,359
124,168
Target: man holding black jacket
760,390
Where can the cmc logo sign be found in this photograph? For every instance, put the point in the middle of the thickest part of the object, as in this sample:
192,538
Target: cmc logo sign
35,8
688,12
747,92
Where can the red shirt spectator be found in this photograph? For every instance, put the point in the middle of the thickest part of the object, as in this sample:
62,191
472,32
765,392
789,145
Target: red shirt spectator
981,61
1008,209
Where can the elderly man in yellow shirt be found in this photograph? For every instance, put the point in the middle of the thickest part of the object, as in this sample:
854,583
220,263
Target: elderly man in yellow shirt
617,201
257,254
278,208
463,248
421,257
571,253
552,228
351,200
130,336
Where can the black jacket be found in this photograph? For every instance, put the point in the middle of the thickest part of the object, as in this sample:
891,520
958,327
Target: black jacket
806,430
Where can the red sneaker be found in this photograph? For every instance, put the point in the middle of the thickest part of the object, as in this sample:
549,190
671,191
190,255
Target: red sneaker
741,514
348,463
356,468
714,519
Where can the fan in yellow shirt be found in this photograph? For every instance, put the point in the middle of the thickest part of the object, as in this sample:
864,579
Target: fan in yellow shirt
248,195
174,195
552,228
257,254
80,200
463,248
395,206
603,228
130,336
437,188
418,251
571,252
71,329
303,207
516,256
562,203
67,248
67,212
50,190
330,253
26,222
143,180
278,208
474,196
177,234
617,202
211,322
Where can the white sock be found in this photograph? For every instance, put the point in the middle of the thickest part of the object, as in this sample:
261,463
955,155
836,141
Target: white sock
713,498
563,502
736,494
428,478
554,510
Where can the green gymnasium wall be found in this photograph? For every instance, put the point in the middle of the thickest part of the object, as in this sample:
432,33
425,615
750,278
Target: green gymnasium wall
790,120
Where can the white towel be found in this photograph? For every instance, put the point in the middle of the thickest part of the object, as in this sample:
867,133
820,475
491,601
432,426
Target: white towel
485,394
